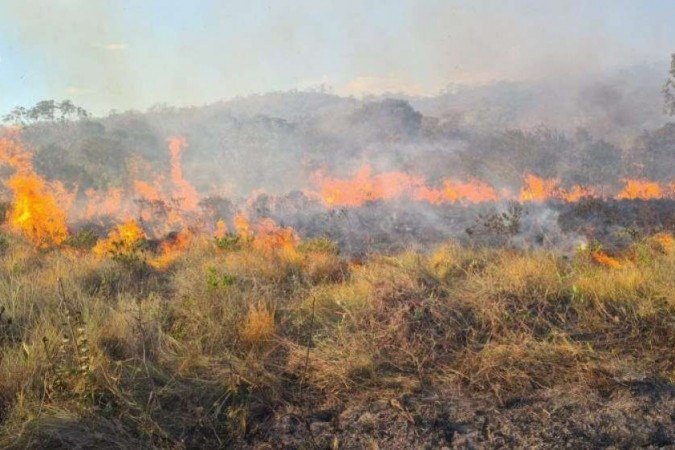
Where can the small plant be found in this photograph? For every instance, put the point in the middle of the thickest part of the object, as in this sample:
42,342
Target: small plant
70,369
216,280
228,241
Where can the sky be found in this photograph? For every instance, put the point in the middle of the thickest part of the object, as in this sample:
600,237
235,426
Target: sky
133,54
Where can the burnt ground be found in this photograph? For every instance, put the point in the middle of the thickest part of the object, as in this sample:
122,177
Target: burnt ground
634,414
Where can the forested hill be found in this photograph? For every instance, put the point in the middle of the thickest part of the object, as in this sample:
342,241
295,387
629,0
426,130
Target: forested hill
577,130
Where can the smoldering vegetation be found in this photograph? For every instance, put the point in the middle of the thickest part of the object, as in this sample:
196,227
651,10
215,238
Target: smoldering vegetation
260,155
578,131
257,310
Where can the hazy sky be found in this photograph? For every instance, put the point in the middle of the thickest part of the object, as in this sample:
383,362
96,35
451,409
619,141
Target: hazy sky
124,54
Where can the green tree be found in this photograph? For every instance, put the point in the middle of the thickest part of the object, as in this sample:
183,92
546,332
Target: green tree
46,111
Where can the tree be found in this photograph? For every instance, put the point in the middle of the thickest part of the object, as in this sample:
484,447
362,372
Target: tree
46,110
669,89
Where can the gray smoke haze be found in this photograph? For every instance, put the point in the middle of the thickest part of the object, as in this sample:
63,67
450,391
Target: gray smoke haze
566,90
133,54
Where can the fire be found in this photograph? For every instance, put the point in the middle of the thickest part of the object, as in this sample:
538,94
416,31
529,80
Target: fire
147,191
363,187
124,239
474,191
172,248
266,235
242,226
664,242
171,204
101,204
166,206
537,189
577,193
604,259
35,210
13,153
221,229
270,237
640,189
185,192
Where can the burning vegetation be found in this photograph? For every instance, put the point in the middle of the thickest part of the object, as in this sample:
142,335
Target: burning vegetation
34,210
170,311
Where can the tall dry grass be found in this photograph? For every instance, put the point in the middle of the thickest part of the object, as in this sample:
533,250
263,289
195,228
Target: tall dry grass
201,352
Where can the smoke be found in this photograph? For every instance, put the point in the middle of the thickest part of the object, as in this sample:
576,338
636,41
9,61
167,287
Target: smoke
459,108
121,55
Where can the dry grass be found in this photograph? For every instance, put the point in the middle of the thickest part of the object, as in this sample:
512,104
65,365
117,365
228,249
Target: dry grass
201,352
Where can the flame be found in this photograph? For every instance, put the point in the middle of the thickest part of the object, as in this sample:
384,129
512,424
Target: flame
147,191
13,153
242,226
125,238
664,241
473,191
270,237
107,203
640,189
172,203
266,235
172,248
604,259
186,193
577,193
221,229
537,189
35,209
363,187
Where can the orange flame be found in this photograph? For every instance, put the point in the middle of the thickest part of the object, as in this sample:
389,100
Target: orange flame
266,235
270,237
604,259
364,187
640,189
221,229
125,238
664,241
35,210
473,191
172,248
184,190
242,226
537,189
577,193
104,203
147,191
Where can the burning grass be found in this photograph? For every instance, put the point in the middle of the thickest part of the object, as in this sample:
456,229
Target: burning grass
208,349
205,337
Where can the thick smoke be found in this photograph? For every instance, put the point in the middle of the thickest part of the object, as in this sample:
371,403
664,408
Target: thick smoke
263,155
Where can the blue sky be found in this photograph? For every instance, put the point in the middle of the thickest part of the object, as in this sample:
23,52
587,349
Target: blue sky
121,54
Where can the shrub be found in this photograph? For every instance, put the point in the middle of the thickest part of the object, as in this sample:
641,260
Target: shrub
228,242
